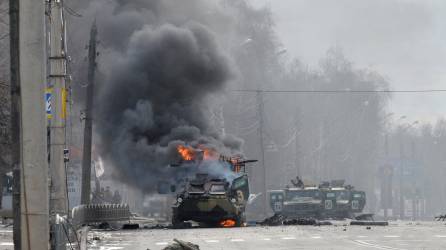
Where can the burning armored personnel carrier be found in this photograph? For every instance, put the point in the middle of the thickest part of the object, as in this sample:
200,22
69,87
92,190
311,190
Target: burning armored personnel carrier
210,197
327,200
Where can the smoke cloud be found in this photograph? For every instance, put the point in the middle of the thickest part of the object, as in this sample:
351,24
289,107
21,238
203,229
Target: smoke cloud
156,90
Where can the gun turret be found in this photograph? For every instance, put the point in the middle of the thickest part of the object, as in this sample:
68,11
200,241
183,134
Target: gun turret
237,163
297,182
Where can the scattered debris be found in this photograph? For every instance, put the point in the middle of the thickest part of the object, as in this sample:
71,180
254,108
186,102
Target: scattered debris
157,226
324,223
130,226
182,245
368,217
277,220
440,217
182,225
302,221
274,220
368,223
104,226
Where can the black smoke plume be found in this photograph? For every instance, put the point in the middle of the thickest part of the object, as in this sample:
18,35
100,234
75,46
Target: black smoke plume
155,95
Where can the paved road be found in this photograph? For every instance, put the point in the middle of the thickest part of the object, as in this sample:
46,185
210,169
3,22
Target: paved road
397,236
6,238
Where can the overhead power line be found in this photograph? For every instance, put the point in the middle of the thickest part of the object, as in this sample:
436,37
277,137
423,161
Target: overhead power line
339,91
71,11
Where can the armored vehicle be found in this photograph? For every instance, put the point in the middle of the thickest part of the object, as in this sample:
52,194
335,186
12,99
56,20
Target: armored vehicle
218,193
211,201
297,202
337,203
327,200
358,200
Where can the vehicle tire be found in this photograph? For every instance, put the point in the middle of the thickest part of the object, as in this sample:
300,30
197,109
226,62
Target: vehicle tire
240,220
177,222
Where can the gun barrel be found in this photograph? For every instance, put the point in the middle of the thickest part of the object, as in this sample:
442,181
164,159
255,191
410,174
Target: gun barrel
248,161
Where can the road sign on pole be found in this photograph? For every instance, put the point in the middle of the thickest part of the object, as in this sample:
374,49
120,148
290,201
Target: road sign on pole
48,93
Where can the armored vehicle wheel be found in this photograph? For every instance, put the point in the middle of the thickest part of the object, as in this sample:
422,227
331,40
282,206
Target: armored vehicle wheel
240,221
177,222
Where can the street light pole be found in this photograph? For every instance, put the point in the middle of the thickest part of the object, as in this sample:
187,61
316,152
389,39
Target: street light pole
262,149
387,188
401,172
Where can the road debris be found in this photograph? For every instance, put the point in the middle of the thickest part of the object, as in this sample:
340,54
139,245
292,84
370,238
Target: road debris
301,221
440,217
277,220
157,226
368,217
274,220
130,226
369,223
182,245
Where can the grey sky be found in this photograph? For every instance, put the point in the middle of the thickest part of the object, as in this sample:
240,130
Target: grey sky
405,40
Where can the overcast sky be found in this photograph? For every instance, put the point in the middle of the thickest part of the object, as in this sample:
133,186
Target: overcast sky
405,40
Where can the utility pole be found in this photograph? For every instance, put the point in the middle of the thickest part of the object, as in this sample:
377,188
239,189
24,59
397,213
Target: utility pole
386,179
297,149
15,118
57,88
33,160
401,173
57,124
88,128
262,149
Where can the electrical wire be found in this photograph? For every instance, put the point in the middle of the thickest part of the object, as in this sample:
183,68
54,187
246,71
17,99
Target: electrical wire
71,11
75,233
339,91
4,36
74,230
68,237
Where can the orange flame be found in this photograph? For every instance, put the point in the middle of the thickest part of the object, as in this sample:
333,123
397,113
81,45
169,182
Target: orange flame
202,153
210,154
186,153
228,223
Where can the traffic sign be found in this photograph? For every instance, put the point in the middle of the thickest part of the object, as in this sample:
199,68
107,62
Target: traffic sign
48,95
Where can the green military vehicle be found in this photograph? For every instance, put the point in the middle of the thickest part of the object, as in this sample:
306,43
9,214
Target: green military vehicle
305,202
217,193
211,201
327,200
337,203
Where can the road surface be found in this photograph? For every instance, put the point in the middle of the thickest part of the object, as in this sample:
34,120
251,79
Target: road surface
397,236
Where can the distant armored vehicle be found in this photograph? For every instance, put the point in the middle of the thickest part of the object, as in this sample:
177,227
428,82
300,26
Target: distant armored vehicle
327,200
306,202
342,202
